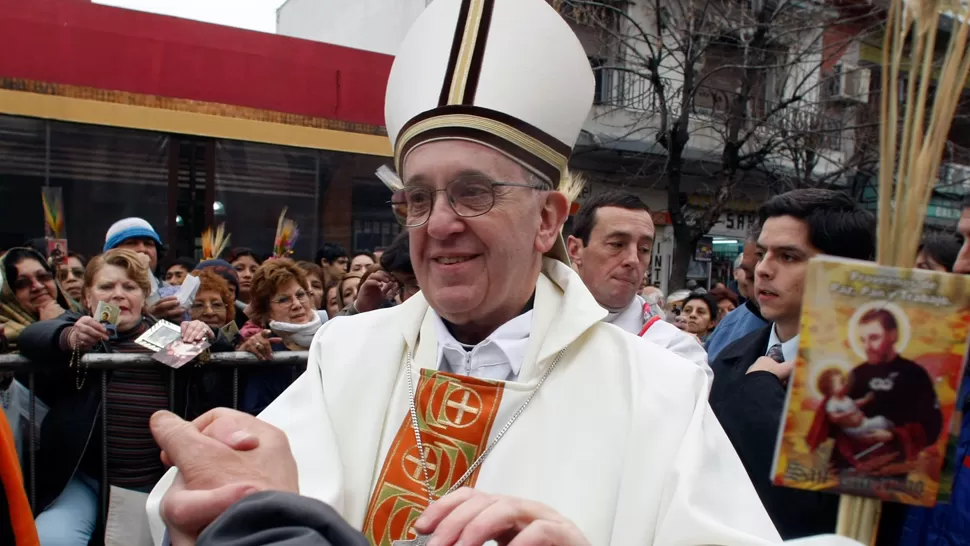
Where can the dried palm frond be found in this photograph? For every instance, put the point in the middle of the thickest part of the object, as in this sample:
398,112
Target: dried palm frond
53,214
571,185
286,235
214,243
906,184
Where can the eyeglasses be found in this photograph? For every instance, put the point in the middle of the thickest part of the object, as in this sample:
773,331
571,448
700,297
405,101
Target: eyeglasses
468,196
66,272
216,306
24,282
283,301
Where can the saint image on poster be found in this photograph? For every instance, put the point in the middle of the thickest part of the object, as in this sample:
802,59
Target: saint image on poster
885,411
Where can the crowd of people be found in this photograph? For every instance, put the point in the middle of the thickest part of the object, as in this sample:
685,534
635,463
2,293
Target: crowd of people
246,301
263,305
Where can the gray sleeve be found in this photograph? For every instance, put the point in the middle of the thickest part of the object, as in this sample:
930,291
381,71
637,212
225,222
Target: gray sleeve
274,518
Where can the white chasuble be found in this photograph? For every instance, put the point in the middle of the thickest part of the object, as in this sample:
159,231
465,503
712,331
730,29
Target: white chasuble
619,439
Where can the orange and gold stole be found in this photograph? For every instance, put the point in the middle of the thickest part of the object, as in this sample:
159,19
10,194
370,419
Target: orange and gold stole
455,416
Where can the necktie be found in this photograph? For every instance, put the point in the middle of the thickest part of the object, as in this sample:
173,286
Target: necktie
776,354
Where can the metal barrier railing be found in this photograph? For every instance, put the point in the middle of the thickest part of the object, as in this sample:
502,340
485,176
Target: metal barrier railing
111,361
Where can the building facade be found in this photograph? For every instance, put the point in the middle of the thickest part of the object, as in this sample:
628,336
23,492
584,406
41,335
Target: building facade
187,125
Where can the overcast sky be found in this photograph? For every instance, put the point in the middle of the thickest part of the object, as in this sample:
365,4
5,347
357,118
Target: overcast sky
250,14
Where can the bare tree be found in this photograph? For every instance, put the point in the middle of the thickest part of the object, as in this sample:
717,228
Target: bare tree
728,91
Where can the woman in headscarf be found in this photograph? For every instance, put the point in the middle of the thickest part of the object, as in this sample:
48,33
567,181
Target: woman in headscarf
281,305
29,292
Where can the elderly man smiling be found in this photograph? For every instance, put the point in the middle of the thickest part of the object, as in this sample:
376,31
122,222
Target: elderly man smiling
496,395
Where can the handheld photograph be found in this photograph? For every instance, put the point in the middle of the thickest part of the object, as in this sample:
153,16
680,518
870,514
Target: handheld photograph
159,336
177,353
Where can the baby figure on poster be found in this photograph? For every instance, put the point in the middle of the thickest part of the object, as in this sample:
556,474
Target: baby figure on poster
833,383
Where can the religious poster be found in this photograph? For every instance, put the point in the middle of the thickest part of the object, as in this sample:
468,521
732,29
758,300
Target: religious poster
875,386
54,226
705,250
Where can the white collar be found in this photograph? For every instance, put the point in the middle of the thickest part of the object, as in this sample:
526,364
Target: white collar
788,348
630,319
499,356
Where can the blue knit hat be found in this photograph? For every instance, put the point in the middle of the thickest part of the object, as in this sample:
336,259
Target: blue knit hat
129,228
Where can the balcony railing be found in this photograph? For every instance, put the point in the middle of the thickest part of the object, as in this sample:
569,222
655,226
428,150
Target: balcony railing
622,89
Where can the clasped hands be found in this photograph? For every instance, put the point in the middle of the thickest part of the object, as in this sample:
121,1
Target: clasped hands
225,455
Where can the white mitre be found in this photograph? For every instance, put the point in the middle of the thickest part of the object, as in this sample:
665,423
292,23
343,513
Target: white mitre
508,74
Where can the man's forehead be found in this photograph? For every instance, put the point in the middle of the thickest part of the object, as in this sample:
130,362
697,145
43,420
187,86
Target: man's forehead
446,160
635,222
785,231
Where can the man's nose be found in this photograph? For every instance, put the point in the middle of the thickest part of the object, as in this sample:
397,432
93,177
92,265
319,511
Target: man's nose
443,220
764,269
631,255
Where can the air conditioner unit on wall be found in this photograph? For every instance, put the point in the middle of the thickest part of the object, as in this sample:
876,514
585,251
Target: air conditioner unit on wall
850,83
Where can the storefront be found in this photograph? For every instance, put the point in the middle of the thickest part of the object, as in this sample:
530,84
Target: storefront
218,126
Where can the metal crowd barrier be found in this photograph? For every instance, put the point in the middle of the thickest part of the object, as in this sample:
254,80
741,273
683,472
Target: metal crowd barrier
110,361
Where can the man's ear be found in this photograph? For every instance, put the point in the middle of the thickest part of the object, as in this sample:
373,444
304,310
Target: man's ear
574,246
552,215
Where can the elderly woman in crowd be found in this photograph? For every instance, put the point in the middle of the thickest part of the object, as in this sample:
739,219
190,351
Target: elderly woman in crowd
28,293
280,305
215,302
73,467
70,274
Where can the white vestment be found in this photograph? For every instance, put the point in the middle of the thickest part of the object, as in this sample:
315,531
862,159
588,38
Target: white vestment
661,333
620,439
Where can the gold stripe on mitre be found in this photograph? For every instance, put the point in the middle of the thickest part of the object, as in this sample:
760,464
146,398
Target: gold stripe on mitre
469,39
507,133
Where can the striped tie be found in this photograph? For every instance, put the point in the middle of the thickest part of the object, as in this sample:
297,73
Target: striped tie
775,353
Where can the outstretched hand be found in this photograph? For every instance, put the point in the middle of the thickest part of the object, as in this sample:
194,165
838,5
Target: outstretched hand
222,456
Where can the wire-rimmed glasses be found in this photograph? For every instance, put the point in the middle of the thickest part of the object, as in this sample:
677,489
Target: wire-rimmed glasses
468,196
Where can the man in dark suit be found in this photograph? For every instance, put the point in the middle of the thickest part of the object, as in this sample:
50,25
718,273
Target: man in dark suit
750,374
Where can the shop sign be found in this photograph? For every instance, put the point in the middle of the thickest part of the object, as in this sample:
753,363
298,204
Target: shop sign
734,224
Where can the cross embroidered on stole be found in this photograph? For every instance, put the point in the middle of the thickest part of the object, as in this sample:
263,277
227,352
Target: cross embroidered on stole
455,416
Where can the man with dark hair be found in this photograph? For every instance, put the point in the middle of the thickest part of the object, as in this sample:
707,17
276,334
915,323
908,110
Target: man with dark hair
334,260
610,249
750,374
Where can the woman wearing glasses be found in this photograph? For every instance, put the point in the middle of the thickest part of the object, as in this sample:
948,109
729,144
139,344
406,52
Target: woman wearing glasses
214,304
28,292
280,303
71,275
